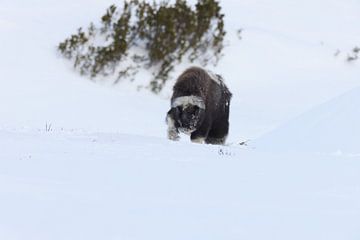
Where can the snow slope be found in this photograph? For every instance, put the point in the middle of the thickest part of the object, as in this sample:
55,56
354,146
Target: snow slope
104,170
285,64
332,127
282,66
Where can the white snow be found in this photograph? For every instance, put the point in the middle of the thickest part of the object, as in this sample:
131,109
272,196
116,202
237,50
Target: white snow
88,160
115,186
332,127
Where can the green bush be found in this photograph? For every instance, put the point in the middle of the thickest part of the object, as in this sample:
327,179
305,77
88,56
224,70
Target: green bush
152,36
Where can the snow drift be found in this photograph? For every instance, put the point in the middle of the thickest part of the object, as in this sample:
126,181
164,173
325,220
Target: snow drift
333,127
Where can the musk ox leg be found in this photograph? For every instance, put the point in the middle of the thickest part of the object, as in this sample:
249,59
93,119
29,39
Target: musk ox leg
218,133
220,128
172,132
201,133
198,140
216,141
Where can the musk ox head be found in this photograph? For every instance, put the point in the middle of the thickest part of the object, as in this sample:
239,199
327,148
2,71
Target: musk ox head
188,112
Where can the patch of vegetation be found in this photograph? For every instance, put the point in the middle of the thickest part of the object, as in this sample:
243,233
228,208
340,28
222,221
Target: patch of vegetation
354,55
152,36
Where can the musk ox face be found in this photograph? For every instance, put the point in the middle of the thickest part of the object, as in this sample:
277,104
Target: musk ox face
188,113
188,118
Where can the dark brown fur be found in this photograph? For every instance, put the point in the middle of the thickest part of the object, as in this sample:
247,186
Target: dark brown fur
212,123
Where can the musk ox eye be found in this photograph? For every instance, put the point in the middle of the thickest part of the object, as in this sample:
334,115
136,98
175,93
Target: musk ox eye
196,109
178,111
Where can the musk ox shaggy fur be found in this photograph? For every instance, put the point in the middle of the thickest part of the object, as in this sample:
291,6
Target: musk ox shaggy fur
199,107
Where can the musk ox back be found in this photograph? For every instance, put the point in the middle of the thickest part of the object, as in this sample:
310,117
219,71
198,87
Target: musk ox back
199,107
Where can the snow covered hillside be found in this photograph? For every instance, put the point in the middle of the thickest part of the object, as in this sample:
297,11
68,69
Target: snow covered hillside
283,65
332,127
88,160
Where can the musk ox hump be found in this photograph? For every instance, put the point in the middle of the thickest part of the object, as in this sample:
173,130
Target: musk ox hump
215,77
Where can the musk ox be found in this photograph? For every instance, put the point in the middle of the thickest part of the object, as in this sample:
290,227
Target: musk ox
199,107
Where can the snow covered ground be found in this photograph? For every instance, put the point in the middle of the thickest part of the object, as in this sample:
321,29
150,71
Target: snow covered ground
116,186
85,160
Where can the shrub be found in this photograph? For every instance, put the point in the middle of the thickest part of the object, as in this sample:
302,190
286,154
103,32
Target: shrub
152,36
